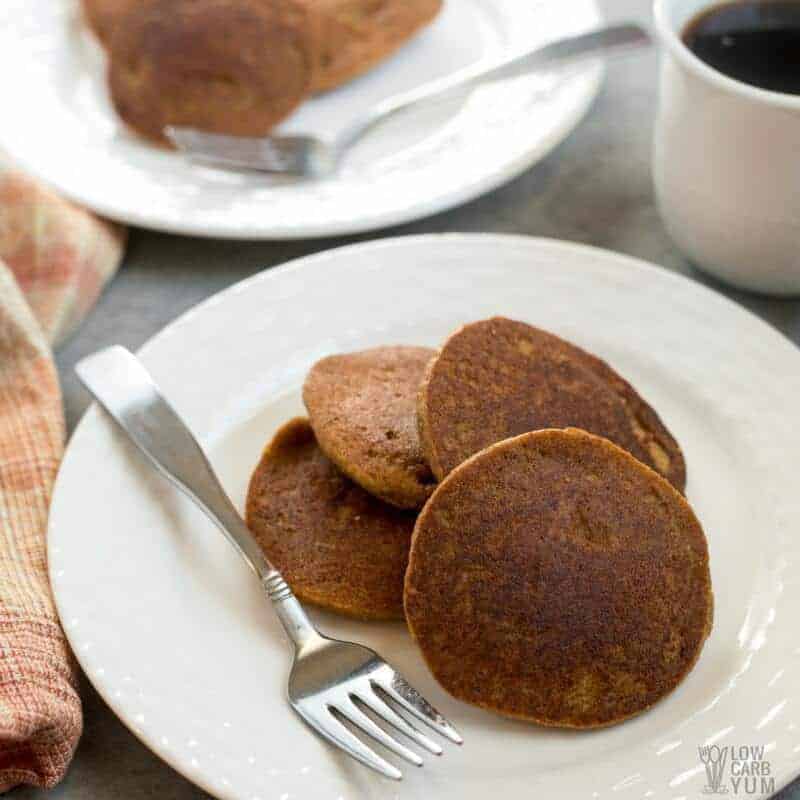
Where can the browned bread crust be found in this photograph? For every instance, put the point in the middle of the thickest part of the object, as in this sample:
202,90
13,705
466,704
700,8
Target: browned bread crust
498,378
226,66
355,35
555,578
362,407
336,545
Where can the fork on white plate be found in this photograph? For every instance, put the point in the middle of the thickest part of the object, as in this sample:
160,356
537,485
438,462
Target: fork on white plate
311,156
331,682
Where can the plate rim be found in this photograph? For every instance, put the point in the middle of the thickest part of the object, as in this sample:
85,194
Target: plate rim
412,239
390,242
423,210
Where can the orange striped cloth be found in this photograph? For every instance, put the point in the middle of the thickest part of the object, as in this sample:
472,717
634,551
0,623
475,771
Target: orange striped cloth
55,259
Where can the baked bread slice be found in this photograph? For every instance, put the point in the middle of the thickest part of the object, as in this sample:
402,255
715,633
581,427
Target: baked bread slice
555,578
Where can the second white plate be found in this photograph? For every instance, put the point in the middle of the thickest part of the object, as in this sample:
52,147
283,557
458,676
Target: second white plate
174,631
64,130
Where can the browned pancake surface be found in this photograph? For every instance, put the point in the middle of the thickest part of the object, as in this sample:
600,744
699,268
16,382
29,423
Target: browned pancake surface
499,378
355,35
225,66
555,578
363,410
337,546
103,16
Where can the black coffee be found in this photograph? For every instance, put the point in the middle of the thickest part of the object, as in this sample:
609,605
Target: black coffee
755,42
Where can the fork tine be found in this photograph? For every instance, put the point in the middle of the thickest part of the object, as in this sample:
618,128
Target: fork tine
399,690
327,726
271,154
380,707
352,712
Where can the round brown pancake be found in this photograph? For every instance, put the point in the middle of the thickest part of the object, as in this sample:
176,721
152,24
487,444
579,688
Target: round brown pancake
499,378
555,578
225,66
363,410
336,545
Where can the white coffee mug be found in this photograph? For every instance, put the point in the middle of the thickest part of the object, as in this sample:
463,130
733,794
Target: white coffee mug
726,165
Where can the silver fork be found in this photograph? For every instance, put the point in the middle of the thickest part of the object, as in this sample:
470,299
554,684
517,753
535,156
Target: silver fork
331,682
313,157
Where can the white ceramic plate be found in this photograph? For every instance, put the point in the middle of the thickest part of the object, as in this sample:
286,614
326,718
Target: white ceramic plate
61,127
173,631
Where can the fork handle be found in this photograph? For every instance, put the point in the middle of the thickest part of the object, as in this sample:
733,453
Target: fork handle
571,48
119,382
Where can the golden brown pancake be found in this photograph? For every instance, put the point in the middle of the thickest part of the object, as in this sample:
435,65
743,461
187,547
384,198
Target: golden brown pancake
226,66
336,545
363,410
499,378
555,578
355,35
103,16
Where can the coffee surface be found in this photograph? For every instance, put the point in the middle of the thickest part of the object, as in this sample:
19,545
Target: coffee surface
756,42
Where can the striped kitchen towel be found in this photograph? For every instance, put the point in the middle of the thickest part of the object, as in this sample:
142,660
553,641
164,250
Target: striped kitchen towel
55,259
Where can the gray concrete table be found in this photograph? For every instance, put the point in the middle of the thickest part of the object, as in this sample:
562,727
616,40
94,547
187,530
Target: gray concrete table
595,188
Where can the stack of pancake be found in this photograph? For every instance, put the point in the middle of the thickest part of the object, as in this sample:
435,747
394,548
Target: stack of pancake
515,500
240,66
